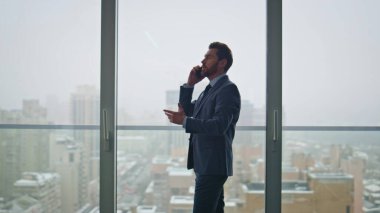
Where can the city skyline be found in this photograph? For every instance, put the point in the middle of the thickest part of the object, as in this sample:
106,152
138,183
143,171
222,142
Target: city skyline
151,166
52,106
328,154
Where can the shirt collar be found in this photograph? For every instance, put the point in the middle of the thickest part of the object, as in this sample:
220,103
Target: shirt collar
213,81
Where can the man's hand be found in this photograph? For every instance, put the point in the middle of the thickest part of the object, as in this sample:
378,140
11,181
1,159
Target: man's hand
193,79
176,117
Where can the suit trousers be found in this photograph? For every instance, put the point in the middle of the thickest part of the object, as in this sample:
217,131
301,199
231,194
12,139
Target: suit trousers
209,193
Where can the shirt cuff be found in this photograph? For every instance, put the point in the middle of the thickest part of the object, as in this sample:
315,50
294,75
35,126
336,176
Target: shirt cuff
187,86
184,122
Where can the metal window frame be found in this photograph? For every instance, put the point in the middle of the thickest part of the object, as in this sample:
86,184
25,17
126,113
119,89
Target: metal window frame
108,103
109,95
178,128
273,108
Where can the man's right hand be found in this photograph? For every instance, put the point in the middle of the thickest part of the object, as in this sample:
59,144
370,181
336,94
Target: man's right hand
193,78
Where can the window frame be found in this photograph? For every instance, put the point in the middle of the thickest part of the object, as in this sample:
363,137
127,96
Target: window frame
108,100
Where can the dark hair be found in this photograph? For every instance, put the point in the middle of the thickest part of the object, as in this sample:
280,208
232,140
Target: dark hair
224,52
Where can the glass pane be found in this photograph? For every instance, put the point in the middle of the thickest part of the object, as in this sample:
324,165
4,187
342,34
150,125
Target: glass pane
158,44
50,74
330,67
331,79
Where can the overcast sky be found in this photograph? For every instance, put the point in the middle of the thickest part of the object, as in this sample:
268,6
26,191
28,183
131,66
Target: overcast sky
331,53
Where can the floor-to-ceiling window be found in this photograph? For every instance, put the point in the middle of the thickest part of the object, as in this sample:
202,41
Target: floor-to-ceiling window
158,44
330,109
49,105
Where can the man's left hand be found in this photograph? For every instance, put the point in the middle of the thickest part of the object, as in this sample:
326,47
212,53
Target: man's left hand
175,117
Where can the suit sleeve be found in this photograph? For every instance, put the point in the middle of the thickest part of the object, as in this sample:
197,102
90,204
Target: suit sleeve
185,97
227,109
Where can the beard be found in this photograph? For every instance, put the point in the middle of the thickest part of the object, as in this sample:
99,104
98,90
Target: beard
210,70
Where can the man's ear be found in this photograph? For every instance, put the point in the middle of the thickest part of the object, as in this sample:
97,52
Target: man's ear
223,63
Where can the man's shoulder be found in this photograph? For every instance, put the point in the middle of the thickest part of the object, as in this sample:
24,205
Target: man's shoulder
227,86
225,80
228,82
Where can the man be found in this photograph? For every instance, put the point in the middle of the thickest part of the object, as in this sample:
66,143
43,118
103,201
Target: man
211,120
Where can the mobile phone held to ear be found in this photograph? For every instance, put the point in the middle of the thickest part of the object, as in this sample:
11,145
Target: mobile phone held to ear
198,73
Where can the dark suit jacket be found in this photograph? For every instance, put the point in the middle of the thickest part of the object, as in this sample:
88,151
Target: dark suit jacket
211,122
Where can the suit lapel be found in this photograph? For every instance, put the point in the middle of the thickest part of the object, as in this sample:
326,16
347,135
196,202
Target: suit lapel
199,104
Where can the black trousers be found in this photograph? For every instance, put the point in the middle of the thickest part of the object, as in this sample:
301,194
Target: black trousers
209,194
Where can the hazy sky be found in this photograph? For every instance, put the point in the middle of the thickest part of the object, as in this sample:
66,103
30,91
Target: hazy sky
331,53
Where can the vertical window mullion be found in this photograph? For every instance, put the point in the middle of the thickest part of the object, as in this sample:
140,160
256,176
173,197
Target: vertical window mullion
273,107
107,202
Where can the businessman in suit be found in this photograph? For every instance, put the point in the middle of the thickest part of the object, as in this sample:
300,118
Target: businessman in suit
211,122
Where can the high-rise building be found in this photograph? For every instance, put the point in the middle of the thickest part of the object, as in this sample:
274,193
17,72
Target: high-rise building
10,162
371,201
24,204
355,165
34,141
322,192
335,156
65,160
25,150
85,110
302,162
159,191
180,180
44,187
245,155
85,105
33,112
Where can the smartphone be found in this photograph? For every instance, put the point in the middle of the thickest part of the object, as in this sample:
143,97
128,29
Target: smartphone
198,73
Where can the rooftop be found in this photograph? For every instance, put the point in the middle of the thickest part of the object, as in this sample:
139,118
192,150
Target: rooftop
163,159
369,207
179,171
372,188
36,179
329,176
146,209
181,200
287,187
289,169
24,203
